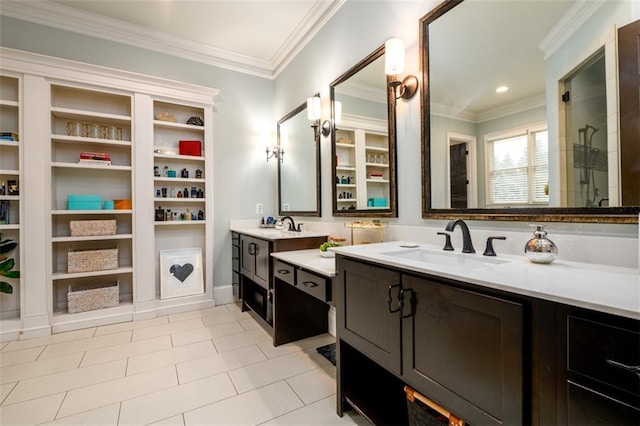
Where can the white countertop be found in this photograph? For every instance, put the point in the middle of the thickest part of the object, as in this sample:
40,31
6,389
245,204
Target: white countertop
603,288
275,234
310,260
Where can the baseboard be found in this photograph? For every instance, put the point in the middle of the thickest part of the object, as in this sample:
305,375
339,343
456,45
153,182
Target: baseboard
224,295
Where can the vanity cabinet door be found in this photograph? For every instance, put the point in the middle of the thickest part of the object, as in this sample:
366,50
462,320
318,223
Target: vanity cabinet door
464,350
364,317
255,260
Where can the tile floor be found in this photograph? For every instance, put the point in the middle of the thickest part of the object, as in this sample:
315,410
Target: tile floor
207,367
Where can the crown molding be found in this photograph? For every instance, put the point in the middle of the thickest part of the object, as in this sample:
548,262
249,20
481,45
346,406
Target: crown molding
449,111
70,19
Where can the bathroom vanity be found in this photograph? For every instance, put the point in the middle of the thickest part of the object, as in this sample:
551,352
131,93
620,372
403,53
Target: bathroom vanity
256,267
492,340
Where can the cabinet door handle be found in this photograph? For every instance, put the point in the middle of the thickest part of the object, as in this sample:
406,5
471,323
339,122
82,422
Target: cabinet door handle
412,302
283,271
250,249
309,284
390,299
631,368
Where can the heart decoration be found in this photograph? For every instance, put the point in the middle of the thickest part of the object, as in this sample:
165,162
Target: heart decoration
181,272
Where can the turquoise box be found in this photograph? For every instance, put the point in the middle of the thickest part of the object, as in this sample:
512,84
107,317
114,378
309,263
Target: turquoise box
84,202
377,202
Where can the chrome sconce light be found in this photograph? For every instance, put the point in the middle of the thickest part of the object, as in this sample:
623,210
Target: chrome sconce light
275,152
314,112
394,65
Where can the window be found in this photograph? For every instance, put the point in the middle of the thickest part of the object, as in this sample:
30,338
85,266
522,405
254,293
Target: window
518,166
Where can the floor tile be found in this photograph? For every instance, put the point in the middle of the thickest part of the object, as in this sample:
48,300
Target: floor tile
131,325
223,317
240,340
249,324
171,421
140,363
81,345
5,389
250,408
300,345
233,307
20,356
42,367
49,340
166,329
226,329
98,356
103,416
257,375
170,402
91,397
60,382
3,344
31,412
314,385
322,413
216,364
196,314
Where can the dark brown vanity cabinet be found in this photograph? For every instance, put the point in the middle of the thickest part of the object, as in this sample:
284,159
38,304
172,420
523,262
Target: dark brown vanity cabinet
255,260
461,348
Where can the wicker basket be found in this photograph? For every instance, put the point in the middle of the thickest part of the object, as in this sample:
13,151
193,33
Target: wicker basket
92,260
90,298
87,228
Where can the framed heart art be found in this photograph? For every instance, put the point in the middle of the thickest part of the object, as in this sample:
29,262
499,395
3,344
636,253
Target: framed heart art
181,273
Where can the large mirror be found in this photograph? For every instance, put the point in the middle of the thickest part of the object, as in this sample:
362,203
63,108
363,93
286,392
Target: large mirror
364,142
520,112
299,165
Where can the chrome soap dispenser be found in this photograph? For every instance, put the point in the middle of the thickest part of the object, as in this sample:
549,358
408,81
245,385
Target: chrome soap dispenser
540,249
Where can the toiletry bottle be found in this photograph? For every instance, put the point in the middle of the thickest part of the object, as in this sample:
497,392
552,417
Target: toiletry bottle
540,249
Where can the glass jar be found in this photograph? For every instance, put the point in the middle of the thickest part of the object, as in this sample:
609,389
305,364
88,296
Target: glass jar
112,132
93,130
75,128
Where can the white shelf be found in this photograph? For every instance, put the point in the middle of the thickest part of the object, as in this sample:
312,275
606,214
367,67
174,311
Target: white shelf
92,238
73,212
179,200
10,197
180,222
377,165
77,114
61,317
9,172
177,179
12,144
13,104
376,149
377,181
179,157
90,166
346,185
10,226
66,275
346,168
346,145
92,141
347,200
180,126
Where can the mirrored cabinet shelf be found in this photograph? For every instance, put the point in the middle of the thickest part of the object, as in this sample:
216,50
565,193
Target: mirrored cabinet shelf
179,200
179,157
178,180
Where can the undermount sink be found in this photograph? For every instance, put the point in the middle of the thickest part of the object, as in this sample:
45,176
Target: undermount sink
445,258
274,233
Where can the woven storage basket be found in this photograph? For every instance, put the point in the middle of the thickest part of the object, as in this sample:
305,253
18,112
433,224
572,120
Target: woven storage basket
86,228
92,260
90,298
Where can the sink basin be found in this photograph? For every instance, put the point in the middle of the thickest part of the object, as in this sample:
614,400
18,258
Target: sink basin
277,233
444,258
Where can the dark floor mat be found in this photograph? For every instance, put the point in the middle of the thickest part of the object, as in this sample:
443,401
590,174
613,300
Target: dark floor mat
329,352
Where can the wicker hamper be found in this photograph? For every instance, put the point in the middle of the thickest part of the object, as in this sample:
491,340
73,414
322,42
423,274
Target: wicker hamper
86,228
92,260
89,298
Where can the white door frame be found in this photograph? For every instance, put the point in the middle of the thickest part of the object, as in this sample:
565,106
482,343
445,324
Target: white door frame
472,168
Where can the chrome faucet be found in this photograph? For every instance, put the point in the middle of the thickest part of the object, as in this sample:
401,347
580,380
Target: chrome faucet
292,224
467,244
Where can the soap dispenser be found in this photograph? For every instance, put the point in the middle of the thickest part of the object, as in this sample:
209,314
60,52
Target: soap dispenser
540,249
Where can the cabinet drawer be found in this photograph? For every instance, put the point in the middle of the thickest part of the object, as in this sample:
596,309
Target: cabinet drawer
604,352
284,271
312,284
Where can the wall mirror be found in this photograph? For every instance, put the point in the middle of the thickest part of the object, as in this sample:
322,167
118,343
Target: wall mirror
364,141
523,124
299,168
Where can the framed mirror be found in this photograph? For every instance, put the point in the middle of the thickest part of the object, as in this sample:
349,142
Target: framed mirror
524,125
299,167
364,141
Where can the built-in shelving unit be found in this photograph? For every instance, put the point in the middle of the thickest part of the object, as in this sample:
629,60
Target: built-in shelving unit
11,193
81,118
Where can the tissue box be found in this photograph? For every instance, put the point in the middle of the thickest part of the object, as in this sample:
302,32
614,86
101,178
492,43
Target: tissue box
193,148
84,202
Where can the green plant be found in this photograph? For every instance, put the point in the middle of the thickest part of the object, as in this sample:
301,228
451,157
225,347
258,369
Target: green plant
7,264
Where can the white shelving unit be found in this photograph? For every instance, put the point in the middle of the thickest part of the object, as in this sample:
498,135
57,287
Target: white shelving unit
11,225
87,106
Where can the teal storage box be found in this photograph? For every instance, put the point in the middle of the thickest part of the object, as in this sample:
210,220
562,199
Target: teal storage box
377,202
84,202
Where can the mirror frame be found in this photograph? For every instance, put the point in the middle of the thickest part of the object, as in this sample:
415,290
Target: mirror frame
532,214
392,211
309,213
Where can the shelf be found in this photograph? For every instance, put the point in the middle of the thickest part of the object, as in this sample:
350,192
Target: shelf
347,200
348,168
61,317
180,126
92,238
66,276
9,197
346,185
180,222
376,149
12,144
77,114
90,166
345,145
179,157
9,226
377,181
13,104
9,172
179,200
73,212
177,179
376,165
93,141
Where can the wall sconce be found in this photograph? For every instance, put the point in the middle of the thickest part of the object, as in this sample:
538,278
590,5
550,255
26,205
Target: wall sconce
276,152
314,112
394,65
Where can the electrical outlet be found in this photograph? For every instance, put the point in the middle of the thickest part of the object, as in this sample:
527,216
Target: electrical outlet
285,207
259,208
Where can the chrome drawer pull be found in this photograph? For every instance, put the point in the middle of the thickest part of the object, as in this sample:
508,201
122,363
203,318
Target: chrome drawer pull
309,284
283,271
631,368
